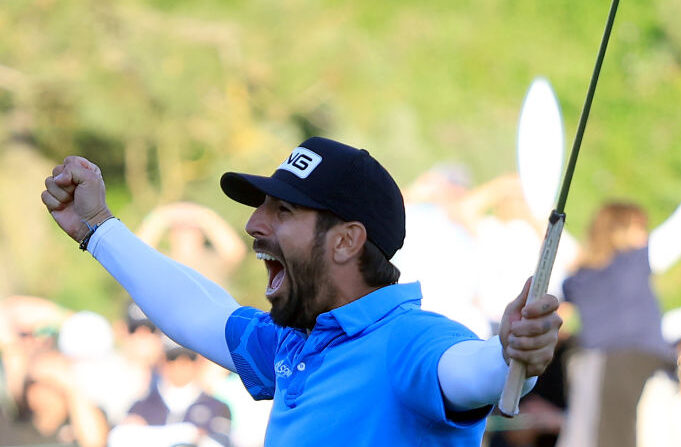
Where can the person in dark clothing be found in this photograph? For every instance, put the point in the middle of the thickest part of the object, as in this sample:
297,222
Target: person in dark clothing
620,337
176,408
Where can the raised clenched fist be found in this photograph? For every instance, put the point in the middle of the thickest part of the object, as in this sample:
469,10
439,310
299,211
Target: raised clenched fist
75,196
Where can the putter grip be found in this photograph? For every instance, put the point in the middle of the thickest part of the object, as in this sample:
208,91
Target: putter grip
510,397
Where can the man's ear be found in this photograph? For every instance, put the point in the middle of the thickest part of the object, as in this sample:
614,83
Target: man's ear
348,241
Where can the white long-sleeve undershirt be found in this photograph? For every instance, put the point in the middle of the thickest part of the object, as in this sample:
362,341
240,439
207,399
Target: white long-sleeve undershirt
186,306
462,365
193,311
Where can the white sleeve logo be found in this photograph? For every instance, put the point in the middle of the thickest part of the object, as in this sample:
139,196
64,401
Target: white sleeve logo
301,162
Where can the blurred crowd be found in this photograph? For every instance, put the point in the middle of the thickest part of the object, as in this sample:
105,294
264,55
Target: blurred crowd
75,378
614,380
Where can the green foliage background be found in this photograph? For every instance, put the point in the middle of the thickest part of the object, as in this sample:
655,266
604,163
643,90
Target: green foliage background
165,95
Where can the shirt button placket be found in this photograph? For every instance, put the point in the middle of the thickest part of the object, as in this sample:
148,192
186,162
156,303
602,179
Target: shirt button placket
296,385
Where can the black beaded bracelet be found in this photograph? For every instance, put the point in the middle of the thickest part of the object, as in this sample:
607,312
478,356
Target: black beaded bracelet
92,229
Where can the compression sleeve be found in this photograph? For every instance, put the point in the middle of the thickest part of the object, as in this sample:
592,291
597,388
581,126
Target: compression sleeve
186,306
472,374
664,243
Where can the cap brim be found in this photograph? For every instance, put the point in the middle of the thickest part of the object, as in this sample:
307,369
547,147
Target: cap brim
252,189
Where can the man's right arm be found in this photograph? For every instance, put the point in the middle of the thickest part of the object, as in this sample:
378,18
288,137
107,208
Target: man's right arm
187,307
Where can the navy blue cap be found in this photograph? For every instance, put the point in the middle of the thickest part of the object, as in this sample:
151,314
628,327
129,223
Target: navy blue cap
327,175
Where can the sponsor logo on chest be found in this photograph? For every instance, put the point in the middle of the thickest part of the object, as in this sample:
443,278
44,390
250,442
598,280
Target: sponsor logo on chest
281,369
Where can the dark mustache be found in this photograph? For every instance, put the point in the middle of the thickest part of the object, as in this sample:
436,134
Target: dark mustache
269,247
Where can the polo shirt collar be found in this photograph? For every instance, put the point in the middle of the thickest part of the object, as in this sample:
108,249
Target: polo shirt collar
363,312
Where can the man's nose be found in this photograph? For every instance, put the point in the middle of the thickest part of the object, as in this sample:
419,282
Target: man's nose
257,225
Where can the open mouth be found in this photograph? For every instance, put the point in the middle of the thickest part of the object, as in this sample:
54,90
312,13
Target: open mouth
275,270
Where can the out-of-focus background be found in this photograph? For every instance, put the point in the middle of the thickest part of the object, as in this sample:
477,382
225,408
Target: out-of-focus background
166,95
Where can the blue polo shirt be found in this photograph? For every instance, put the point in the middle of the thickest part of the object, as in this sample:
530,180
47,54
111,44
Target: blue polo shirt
366,375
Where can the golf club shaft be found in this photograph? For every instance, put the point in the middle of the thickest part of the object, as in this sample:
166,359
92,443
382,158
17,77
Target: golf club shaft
510,396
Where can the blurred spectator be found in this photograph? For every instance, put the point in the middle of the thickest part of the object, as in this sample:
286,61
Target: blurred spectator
620,337
54,409
28,327
487,245
542,410
659,409
198,237
249,417
177,411
195,236
102,374
140,349
508,241
438,215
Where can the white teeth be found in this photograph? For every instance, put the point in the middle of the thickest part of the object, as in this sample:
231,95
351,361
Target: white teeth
265,256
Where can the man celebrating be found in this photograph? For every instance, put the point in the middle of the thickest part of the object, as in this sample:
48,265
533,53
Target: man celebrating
346,353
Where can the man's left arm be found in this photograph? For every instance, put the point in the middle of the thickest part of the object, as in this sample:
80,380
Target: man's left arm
472,373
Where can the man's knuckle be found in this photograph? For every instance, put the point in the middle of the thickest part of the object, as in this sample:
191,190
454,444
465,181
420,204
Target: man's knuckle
527,343
534,330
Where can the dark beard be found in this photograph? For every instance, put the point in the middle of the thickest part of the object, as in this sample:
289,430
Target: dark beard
307,279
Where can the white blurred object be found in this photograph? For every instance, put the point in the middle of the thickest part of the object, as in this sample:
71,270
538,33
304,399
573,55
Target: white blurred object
659,412
671,326
438,252
249,417
101,374
86,335
506,254
133,435
540,147
28,313
664,244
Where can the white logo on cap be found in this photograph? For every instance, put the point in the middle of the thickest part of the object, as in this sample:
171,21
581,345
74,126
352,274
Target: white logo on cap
301,162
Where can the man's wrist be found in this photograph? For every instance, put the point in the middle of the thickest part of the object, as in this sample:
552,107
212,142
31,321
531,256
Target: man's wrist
88,222
98,218
92,225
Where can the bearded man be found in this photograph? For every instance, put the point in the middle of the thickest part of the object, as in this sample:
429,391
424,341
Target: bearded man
346,353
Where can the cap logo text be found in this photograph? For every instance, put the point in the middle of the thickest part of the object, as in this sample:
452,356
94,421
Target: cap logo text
301,162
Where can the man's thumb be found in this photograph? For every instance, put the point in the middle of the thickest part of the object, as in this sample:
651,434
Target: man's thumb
77,170
518,303
65,178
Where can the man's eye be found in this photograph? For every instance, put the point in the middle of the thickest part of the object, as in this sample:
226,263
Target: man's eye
284,209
